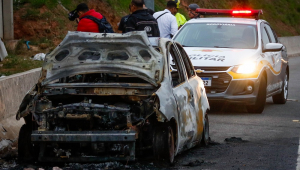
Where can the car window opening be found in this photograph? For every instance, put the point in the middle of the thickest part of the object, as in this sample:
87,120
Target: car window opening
176,71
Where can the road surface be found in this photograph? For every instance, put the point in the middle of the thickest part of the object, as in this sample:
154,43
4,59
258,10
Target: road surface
269,140
262,141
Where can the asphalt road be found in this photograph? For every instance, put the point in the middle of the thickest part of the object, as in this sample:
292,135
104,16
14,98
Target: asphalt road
267,141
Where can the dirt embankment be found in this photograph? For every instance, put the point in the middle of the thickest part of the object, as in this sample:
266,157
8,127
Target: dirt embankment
52,25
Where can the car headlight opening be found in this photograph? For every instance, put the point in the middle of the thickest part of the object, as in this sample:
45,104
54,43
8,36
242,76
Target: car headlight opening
246,68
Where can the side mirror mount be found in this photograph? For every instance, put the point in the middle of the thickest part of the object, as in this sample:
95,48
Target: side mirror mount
273,47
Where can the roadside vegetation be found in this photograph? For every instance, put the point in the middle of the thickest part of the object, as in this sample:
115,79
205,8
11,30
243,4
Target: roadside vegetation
45,22
13,64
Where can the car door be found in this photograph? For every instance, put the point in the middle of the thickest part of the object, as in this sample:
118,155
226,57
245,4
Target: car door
273,63
184,96
278,66
196,91
269,57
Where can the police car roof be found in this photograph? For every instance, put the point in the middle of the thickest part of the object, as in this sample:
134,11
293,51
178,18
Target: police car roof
249,21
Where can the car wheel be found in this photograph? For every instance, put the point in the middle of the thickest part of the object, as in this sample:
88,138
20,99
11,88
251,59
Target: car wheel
25,148
205,134
281,98
259,105
164,145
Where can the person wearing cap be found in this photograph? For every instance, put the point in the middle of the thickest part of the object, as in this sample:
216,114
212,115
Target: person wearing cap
192,11
167,21
85,24
181,20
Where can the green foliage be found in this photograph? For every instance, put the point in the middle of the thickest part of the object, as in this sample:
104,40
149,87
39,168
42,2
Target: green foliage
11,61
31,14
34,14
69,4
121,7
51,3
15,64
43,40
19,3
46,15
37,3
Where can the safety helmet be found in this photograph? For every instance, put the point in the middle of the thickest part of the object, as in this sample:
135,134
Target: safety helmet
177,3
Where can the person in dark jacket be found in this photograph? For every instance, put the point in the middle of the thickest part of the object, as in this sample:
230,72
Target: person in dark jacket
122,23
87,25
141,20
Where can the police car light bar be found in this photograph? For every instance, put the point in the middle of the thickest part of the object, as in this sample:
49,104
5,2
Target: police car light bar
230,12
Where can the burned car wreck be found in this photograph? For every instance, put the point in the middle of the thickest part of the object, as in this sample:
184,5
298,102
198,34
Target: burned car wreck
112,97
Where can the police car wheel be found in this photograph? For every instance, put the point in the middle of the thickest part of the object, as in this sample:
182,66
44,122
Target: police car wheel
281,98
259,105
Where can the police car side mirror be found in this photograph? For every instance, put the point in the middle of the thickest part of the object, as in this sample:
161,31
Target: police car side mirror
273,47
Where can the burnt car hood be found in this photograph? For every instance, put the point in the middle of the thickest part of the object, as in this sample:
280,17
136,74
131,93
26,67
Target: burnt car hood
85,53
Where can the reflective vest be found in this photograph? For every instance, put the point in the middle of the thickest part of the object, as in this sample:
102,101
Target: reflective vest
181,20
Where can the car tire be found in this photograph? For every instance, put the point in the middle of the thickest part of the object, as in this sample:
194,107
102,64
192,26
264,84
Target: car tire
205,134
25,148
164,145
259,105
282,97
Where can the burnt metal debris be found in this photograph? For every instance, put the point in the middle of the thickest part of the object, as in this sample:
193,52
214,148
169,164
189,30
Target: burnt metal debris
113,98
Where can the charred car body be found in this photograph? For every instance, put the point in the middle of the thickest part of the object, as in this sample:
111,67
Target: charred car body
104,97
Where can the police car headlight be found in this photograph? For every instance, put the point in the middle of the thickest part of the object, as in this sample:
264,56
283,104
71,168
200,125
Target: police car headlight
245,68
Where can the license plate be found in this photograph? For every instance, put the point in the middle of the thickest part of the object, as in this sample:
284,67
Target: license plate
206,81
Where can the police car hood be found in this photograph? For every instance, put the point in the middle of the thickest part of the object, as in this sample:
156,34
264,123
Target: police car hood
87,53
220,56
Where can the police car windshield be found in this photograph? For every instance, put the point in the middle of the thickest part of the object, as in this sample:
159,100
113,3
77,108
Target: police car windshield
218,35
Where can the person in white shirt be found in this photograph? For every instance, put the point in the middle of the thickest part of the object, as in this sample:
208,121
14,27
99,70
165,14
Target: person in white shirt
166,20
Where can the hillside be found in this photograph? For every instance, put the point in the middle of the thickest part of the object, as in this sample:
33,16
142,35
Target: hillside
45,22
49,19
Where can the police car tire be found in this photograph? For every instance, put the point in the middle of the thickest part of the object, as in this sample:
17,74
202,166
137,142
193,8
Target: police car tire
259,105
281,98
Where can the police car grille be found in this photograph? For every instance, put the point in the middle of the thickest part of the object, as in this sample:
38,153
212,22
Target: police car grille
211,68
220,82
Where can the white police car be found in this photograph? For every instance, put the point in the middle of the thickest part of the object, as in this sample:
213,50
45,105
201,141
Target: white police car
239,59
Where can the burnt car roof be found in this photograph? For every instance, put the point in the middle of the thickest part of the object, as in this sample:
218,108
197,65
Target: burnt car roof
84,53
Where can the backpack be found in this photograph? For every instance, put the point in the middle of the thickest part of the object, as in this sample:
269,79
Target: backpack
103,25
147,23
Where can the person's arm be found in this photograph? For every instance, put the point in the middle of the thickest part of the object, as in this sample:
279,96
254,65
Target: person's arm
174,26
121,25
130,25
